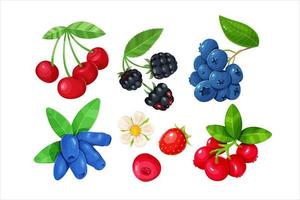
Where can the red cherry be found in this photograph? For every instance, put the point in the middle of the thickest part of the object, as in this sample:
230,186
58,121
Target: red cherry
46,72
146,167
99,57
217,171
248,152
213,143
202,155
88,72
71,88
237,165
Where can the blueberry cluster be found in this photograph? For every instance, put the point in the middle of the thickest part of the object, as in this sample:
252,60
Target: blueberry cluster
160,97
131,79
163,65
78,151
210,79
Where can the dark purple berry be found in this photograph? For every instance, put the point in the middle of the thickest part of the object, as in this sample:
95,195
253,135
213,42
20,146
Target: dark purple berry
163,65
131,79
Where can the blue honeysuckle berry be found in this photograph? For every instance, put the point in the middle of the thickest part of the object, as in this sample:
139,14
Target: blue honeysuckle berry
60,167
217,59
233,91
79,166
204,92
221,95
235,73
219,79
95,138
93,158
199,61
207,46
204,71
194,79
69,147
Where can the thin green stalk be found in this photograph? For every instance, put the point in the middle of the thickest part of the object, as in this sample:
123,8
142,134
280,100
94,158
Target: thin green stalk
229,50
236,53
64,56
146,86
78,43
53,51
73,52
146,67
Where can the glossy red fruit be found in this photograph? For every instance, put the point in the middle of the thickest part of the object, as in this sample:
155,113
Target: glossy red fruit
46,72
202,155
237,165
213,143
173,141
71,88
217,171
248,152
87,71
99,57
146,167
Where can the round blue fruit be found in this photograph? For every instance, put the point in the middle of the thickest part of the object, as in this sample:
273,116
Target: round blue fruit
219,79
92,156
194,79
204,71
94,138
221,95
217,59
199,61
69,147
235,73
233,91
60,167
207,46
204,92
79,167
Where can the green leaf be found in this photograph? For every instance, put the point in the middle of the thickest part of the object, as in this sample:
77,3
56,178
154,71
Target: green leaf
58,122
239,33
254,135
86,117
55,33
219,133
48,154
142,42
85,30
233,122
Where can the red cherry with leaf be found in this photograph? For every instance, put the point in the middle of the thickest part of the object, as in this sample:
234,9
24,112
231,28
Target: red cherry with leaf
248,152
71,88
46,71
88,72
146,167
99,57
237,165
202,155
217,169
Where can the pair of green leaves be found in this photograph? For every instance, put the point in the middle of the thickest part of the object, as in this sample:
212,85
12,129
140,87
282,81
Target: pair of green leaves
80,29
83,121
233,130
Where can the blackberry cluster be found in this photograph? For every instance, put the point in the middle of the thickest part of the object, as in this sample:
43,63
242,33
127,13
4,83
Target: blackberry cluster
131,79
160,97
163,65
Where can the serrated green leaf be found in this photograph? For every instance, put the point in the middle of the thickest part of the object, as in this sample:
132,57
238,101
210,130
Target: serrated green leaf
85,30
254,135
239,33
86,117
54,33
233,122
219,133
48,154
142,42
58,122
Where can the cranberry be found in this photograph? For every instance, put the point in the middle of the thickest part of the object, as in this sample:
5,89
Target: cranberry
237,165
213,143
201,156
217,171
248,152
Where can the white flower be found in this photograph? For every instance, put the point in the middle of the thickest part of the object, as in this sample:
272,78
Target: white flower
135,130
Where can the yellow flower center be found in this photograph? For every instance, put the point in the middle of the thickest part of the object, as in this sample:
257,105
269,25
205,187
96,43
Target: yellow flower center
135,130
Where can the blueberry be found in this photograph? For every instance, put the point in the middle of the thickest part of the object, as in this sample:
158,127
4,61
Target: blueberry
79,167
233,91
93,138
92,156
235,72
60,167
194,79
221,95
217,59
199,61
207,46
204,92
219,80
69,147
204,71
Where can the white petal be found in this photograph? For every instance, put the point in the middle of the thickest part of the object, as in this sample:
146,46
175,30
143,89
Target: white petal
125,123
140,141
138,118
147,129
126,138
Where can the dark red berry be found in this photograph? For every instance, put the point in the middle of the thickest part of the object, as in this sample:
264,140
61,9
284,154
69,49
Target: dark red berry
237,165
87,72
46,72
248,152
202,155
99,57
217,170
71,88
213,143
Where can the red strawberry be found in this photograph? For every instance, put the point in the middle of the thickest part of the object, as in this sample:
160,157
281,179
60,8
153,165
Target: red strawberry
173,141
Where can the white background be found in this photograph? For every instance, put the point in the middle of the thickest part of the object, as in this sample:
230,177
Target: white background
269,98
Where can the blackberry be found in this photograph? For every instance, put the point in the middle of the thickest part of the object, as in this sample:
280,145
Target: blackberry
163,65
160,97
131,79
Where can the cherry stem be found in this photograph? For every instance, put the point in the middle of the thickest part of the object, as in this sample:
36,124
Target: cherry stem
73,52
225,148
236,53
53,52
64,55
145,67
79,44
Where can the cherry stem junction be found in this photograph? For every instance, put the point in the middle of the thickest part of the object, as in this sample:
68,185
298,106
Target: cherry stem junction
53,52
225,148
64,56
73,52
79,44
